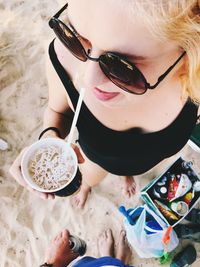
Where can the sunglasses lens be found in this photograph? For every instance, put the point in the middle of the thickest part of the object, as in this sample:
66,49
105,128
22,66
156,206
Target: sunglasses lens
68,38
122,73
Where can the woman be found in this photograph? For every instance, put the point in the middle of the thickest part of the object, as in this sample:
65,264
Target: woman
139,62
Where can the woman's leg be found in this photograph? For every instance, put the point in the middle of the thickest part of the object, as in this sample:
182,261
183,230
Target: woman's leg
92,174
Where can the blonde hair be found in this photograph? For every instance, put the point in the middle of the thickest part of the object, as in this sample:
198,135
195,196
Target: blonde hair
179,21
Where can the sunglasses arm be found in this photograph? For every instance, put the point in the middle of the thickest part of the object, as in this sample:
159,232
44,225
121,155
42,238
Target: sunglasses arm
57,15
148,86
158,81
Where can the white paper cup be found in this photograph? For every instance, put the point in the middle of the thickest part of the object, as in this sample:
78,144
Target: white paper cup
71,186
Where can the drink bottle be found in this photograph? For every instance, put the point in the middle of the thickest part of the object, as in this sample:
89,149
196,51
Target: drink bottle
77,245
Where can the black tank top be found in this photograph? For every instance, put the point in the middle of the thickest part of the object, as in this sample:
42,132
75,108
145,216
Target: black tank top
129,152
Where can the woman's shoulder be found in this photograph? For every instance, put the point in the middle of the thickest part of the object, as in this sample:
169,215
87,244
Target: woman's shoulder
67,60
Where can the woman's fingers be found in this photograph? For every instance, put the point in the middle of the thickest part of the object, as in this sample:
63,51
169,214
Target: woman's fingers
78,153
40,194
15,171
65,234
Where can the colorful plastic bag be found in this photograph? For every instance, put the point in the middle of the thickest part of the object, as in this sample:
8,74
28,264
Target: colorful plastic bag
146,232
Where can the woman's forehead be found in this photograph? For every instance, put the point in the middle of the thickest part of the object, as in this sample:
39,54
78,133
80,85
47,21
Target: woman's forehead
109,26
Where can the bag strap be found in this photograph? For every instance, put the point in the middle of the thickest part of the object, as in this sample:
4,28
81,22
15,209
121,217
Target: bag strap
129,212
156,217
126,214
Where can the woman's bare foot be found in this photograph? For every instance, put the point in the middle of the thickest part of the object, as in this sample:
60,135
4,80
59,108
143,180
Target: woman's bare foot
80,198
106,244
129,186
123,251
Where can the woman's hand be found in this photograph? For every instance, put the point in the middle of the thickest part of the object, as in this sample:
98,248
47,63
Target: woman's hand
78,153
53,134
59,253
15,171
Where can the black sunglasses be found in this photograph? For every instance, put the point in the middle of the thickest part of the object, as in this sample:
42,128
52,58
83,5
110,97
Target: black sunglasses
117,68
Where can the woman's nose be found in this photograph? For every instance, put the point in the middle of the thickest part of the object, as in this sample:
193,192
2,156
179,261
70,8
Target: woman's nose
93,74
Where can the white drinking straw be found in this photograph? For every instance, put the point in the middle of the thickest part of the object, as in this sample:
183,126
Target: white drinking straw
78,107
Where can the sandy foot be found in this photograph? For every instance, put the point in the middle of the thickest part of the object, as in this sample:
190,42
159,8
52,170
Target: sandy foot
123,251
106,244
80,198
129,186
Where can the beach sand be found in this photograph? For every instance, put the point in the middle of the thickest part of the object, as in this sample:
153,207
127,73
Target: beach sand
28,223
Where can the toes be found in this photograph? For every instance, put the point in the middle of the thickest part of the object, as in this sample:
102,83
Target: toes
80,203
75,201
80,199
123,235
102,237
109,233
129,186
134,185
130,192
124,239
106,234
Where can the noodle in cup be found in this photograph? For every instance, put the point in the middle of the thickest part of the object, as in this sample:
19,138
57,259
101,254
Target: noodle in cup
50,166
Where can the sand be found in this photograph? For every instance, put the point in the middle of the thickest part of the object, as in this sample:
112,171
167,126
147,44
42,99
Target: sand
27,223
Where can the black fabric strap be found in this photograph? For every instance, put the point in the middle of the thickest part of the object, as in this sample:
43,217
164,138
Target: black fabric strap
64,76
50,128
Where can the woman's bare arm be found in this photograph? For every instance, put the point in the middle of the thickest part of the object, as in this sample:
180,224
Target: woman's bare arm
57,114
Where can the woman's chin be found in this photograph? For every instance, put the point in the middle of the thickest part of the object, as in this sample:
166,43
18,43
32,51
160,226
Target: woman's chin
116,102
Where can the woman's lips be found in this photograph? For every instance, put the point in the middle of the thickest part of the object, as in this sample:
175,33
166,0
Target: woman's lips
104,96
